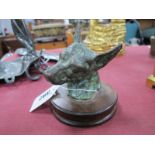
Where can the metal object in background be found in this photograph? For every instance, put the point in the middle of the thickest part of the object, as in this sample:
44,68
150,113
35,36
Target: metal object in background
21,51
12,69
29,57
46,56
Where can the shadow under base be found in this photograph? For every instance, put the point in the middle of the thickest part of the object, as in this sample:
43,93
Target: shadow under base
83,113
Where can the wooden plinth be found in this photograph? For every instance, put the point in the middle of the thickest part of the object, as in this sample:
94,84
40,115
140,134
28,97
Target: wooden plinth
85,113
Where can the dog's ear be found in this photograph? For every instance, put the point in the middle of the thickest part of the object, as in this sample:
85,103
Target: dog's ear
103,59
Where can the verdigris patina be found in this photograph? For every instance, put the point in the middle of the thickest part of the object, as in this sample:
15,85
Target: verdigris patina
78,66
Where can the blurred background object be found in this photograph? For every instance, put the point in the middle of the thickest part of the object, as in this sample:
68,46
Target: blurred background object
46,33
148,29
151,80
105,34
98,34
152,49
133,32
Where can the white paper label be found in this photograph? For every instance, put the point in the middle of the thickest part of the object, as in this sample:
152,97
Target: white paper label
44,97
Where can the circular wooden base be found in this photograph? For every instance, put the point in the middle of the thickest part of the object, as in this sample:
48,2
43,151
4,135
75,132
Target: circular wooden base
100,108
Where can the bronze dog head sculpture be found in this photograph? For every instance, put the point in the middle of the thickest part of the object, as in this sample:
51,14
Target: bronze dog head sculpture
78,66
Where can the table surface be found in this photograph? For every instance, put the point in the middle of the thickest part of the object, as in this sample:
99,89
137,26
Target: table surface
127,74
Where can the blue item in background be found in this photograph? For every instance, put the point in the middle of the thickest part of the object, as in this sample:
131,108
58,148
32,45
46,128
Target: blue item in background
132,30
